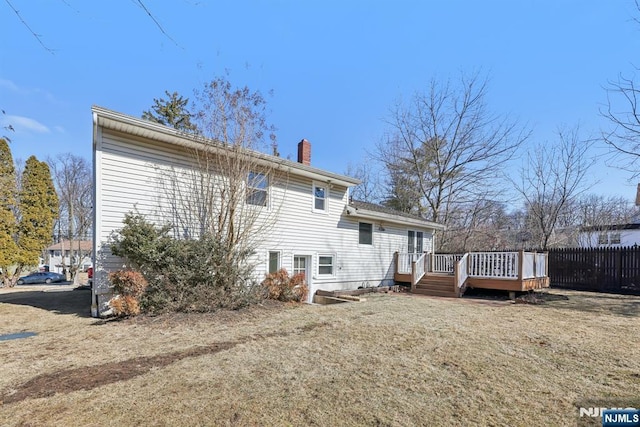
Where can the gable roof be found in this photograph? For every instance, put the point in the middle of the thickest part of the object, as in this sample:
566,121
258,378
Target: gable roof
381,213
85,245
119,122
611,227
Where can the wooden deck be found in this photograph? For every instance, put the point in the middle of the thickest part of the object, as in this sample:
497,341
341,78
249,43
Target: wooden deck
449,275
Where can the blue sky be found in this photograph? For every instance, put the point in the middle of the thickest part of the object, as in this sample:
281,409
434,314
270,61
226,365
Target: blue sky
335,67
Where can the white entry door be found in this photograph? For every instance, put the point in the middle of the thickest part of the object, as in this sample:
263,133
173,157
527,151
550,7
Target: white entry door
302,264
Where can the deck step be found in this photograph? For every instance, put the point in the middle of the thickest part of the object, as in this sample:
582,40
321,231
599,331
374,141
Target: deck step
435,293
440,285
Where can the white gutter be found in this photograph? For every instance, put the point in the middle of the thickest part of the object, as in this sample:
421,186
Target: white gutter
130,125
396,219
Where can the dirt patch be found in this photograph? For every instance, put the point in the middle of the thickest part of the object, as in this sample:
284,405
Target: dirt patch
87,378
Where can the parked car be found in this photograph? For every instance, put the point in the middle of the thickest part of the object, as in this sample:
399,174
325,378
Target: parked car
41,277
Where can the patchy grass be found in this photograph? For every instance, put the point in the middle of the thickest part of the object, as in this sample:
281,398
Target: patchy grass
392,360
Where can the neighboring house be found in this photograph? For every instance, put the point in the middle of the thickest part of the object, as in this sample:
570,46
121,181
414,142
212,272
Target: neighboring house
316,230
64,254
610,236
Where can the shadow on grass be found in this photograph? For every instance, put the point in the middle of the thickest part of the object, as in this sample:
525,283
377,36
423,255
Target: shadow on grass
71,301
591,302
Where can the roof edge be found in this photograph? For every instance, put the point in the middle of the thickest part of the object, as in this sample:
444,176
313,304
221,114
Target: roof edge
108,119
397,219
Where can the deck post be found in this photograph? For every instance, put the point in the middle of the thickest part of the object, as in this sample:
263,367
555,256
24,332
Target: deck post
395,260
432,255
520,265
413,276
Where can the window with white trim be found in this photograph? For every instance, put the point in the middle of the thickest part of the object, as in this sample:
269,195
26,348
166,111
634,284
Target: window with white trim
320,193
257,189
365,233
274,261
326,264
614,238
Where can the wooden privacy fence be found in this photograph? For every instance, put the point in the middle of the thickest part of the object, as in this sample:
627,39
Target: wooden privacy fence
615,270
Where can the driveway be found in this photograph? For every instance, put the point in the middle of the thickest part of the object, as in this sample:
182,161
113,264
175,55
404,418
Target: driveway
62,298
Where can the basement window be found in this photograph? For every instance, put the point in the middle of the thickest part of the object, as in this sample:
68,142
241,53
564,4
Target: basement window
326,265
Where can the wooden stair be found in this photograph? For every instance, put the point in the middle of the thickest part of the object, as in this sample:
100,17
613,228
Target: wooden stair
437,285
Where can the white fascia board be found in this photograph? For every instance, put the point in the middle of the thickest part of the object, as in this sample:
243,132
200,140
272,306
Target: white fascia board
143,128
395,219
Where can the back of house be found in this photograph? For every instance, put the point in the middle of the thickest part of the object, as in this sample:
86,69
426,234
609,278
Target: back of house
297,217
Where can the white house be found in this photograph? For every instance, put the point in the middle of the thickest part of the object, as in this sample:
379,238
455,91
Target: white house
65,253
610,236
315,228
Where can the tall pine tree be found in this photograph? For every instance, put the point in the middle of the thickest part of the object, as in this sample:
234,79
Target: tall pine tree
8,224
38,211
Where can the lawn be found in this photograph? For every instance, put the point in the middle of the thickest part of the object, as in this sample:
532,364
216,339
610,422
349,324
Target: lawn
392,360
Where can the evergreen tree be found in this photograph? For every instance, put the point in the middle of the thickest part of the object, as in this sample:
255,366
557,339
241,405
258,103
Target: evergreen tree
38,209
8,225
171,112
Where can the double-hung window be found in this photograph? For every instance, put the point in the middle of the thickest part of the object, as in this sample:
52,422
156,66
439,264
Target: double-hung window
257,189
326,265
320,194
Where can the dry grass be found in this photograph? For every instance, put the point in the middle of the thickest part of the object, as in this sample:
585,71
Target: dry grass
392,360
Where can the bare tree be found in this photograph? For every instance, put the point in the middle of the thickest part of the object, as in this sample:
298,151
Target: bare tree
624,137
223,193
623,111
445,149
550,181
73,179
370,188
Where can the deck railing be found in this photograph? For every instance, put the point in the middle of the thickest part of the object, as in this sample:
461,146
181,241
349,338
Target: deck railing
461,273
492,265
418,269
444,263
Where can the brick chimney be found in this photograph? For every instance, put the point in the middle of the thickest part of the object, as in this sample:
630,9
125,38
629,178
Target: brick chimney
304,152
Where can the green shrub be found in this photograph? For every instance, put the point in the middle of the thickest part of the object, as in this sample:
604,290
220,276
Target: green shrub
184,275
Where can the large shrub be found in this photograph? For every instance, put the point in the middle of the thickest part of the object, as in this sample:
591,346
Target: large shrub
184,275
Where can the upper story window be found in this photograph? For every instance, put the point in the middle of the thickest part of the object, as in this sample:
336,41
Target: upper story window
320,193
257,187
365,233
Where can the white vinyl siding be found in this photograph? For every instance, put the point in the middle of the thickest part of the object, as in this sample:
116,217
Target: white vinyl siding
129,179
